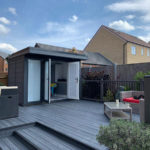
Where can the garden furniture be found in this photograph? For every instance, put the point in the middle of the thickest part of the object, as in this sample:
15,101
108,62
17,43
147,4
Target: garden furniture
8,102
116,111
128,97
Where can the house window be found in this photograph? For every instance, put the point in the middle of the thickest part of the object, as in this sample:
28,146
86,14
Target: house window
133,50
5,61
148,53
142,52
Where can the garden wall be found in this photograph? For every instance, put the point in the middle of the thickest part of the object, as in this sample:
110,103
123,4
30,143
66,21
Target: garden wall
128,71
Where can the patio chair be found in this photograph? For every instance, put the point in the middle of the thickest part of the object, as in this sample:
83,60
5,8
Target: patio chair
134,104
8,102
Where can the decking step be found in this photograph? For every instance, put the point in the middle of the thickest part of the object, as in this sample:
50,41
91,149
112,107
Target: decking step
12,143
37,136
46,140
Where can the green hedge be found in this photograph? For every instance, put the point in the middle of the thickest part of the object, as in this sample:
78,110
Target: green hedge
125,135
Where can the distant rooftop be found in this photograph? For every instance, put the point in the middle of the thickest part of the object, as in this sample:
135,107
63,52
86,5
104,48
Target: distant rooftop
96,58
127,37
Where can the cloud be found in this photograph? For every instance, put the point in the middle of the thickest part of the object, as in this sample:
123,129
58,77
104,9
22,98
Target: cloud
74,18
130,16
12,10
146,17
60,28
14,22
4,20
145,38
121,25
3,29
66,34
141,6
7,48
143,27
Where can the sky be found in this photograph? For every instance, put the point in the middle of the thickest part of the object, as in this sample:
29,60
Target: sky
68,23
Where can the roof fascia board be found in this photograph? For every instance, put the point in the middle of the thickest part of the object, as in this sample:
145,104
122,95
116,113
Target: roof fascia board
88,63
139,44
19,53
40,51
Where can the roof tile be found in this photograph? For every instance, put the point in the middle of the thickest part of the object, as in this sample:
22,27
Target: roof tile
128,37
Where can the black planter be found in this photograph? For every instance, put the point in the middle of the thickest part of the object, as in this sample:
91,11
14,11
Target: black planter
8,103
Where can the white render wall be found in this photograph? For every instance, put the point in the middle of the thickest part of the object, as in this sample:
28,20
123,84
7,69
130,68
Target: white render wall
61,71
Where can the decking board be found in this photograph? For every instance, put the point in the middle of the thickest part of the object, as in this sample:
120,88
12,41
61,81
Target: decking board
78,119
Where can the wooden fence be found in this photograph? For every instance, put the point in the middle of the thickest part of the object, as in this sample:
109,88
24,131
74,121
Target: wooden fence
97,89
3,79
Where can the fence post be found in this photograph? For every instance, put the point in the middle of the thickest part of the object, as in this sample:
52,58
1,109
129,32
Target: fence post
147,99
80,89
101,89
115,71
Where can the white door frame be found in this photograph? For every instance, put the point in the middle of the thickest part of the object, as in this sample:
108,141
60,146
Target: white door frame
49,80
46,81
73,85
47,91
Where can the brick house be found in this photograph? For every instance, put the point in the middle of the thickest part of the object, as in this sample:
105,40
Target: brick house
119,47
3,63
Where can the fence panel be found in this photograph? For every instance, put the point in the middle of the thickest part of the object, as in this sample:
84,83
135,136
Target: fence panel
90,89
3,79
97,89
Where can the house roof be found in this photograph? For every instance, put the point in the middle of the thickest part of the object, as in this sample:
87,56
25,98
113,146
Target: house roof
96,58
52,47
127,37
93,58
52,51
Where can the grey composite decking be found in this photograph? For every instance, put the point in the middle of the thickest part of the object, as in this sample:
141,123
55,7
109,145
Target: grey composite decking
78,119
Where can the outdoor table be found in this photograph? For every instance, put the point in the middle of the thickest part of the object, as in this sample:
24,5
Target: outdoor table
117,111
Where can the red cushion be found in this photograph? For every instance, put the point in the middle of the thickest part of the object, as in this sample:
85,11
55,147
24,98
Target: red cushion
131,100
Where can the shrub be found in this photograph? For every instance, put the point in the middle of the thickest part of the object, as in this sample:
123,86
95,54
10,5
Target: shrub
96,75
140,75
109,96
125,135
127,88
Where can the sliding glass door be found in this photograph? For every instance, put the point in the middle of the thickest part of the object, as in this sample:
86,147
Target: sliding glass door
34,80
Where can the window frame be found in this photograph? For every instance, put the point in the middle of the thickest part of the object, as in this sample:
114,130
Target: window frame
133,50
142,52
148,52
